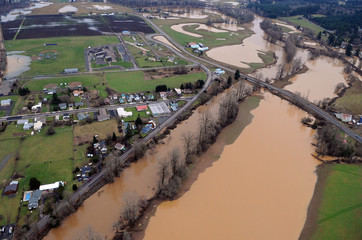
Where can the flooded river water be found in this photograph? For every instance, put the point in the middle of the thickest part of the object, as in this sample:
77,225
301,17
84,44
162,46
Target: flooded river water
260,187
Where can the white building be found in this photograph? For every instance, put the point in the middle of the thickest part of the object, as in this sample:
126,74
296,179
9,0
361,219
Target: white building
51,186
38,125
122,113
5,103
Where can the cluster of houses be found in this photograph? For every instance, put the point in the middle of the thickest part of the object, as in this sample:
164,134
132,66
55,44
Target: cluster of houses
32,197
36,125
102,55
348,118
129,98
197,47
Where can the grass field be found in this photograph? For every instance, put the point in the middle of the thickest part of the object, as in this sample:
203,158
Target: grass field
299,20
39,150
339,216
352,98
142,114
70,52
87,81
130,82
102,129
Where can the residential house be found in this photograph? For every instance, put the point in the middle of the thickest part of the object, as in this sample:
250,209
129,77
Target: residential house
70,70
142,108
36,107
34,199
62,106
103,115
107,101
66,117
120,147
82,116
22,121
178,91
77,93
219,71
344,117
103,147
5,103
163,94
38,125
79,104
28,126
12,188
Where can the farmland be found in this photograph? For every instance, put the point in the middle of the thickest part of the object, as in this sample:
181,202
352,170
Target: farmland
69,52
352,98
103,129
121,81
48,26
300,21
48,158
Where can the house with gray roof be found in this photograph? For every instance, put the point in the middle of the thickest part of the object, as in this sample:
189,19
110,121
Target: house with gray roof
34,199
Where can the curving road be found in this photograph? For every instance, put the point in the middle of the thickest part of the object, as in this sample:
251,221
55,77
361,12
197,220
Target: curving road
306,104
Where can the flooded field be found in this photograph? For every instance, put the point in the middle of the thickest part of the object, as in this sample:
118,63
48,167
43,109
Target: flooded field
262,183
247,52
45,26
320,80
17,64
164,40
13,14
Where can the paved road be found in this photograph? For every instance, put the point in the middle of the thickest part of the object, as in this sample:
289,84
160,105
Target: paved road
308,105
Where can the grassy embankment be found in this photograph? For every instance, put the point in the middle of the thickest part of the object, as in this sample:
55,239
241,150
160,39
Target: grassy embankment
131,82
305,23
48,158
70,52
337,209
352,98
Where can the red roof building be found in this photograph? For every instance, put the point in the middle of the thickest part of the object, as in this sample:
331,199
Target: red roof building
142,108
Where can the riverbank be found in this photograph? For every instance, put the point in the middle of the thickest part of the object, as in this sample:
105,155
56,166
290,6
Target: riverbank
335,209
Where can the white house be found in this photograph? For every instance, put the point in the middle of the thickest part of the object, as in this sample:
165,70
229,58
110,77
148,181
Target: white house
122,113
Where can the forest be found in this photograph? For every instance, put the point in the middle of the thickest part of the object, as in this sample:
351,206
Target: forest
343,17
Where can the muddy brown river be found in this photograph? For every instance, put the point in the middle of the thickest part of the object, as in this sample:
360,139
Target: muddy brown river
260,173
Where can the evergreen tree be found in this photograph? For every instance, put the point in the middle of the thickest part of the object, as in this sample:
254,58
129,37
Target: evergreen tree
114,137
237,75
319,35
349,50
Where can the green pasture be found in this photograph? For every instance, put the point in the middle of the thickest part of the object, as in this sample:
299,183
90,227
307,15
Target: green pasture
70,52
305,23
131,82
339,216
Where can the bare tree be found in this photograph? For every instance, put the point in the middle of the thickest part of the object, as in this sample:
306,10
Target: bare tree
163,171
280,72
188,144
290,48
228,109
139,150
88,234
207,131
297,64
339,87
242,90
132,203
175,161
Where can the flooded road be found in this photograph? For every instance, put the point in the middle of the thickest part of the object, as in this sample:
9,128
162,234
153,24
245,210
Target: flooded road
260,187
320,80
